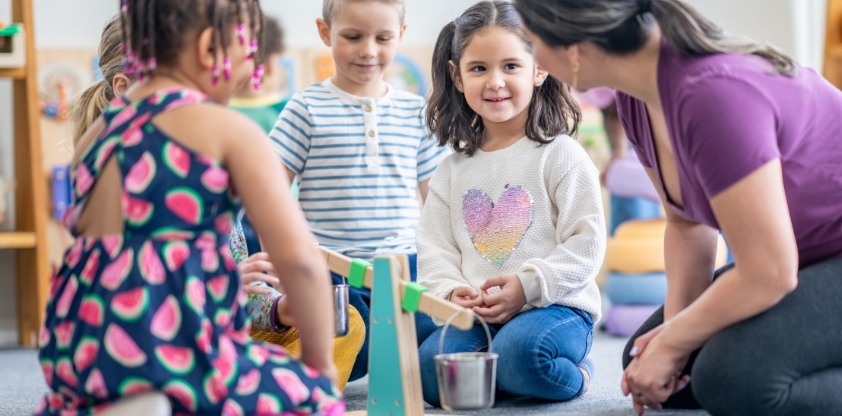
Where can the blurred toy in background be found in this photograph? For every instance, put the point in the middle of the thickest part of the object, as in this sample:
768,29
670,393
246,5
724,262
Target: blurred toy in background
12,49
57,85
405,75
632,194
62,195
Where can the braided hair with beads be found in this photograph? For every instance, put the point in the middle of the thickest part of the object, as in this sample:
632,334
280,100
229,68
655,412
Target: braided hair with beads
153,32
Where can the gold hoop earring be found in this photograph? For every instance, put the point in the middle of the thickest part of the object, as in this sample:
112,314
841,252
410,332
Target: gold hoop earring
576,67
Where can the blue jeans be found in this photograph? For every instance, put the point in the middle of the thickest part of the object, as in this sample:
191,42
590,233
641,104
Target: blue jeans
539,350
361,299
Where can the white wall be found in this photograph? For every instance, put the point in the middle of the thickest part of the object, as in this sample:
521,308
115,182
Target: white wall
796,26
78,23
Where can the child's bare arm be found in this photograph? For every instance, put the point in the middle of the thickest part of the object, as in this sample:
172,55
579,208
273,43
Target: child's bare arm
290,175
260,178
423,190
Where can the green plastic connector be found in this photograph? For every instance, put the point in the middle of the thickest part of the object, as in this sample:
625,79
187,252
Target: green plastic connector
412,296
10,30
356,277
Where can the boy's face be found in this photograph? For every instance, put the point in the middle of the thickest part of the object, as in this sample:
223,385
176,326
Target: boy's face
364,37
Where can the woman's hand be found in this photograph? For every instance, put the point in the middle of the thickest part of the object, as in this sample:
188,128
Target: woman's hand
466,297
654,373
502,306
258,268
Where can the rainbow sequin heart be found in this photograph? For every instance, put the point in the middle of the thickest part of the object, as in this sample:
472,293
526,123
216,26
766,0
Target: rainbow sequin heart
497,230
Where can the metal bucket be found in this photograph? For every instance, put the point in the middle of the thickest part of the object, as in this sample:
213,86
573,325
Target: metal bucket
342,317
467,380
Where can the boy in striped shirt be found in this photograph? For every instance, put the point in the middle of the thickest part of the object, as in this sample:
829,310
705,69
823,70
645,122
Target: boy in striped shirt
359,148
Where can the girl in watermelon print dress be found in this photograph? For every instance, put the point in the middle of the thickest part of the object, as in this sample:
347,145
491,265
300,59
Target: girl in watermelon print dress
148,297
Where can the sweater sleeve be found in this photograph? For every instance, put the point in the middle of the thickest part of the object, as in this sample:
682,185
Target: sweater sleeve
439,257
580,238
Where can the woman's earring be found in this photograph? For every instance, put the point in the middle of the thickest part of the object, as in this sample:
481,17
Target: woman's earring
576,67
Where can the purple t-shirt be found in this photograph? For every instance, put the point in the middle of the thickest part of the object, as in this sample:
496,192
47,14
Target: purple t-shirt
727,116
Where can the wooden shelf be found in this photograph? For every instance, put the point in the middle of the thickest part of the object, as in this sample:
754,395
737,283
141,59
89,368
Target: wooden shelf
15,73
834,51
17,240
31,203
832,69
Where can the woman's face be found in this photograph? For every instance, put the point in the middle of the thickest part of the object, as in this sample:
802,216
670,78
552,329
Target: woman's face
554,60
559,62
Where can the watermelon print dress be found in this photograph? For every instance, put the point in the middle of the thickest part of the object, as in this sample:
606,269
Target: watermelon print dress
161,306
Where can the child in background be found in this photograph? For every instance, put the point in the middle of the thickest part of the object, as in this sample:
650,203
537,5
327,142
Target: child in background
513,226
360,148
269,310
148,297
264,104
88,107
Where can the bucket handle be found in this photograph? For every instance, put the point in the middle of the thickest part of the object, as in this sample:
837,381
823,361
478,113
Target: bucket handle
450,320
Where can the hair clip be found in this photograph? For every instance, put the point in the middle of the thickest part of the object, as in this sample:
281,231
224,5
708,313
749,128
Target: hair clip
257,77
152,63
241,33
124,6
130,63
215,75
253,46
226,66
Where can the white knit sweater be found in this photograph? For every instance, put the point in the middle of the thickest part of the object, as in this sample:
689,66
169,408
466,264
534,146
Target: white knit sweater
531,210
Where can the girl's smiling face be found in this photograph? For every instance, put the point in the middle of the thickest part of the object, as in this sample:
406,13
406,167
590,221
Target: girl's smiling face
497,74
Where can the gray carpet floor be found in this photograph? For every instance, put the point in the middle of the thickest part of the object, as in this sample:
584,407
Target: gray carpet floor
21,386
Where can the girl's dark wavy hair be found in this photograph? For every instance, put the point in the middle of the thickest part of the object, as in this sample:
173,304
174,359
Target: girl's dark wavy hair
552,111
154,30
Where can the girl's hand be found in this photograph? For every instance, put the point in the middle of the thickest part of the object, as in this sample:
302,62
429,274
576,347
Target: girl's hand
465,297
654,373
502,306
284,314
258,268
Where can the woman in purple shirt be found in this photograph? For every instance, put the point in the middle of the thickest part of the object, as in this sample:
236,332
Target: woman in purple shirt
737,138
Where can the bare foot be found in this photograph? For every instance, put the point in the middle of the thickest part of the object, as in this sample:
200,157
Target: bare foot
587,380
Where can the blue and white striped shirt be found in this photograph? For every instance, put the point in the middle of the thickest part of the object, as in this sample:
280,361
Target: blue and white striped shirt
359,161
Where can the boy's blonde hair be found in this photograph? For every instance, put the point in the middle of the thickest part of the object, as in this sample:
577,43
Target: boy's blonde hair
330,8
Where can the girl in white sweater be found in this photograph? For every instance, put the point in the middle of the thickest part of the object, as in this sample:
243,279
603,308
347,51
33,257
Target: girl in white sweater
513,226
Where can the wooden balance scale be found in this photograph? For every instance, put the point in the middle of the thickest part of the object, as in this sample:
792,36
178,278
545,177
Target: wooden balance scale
394,375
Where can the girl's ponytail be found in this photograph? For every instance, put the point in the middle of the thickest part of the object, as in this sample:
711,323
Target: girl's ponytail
89,107
448,117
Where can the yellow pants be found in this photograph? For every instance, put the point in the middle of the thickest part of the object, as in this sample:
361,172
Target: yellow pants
345,349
